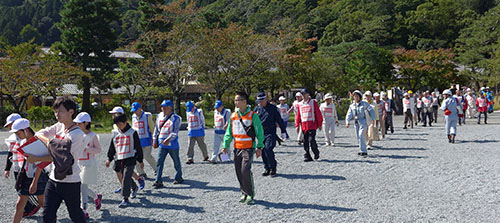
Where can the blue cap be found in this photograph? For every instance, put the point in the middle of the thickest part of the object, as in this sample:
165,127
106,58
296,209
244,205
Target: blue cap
189,106
165,103
304,91
261,96
135,106
218,103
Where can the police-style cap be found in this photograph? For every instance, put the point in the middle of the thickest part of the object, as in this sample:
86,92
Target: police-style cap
261,96
304,91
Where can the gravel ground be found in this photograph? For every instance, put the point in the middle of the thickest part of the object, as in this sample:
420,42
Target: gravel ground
414,175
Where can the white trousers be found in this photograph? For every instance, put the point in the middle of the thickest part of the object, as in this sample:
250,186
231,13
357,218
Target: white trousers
329,131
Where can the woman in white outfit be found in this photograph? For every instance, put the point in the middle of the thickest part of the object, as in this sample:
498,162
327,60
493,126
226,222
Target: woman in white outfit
330,119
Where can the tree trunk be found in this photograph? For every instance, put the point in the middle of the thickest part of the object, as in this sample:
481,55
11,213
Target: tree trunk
86,94
177,103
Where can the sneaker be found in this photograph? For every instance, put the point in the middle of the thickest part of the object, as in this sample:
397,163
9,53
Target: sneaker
328,144
98,202
178,181
333,144
134,193
266,172
206,159
157,185
118,190
34,211
190,162
250,201
369,148
124,204
142,184
243,198
363,154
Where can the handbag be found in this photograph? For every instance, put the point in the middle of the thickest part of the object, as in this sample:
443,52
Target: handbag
248,129
21,177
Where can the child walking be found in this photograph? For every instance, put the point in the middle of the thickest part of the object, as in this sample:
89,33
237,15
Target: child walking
36,179
88,162
126,145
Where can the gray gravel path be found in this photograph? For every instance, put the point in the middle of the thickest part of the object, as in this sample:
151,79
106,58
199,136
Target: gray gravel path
413,176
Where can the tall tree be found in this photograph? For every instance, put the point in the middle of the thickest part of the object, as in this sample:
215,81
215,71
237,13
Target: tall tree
88,39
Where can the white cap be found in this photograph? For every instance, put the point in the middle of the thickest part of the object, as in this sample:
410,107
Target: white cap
117,109
405,94
282,98
20,124
469,90
298,94
368,93
82,117
11,118
482,88
376,94
383,93
447,91
328,96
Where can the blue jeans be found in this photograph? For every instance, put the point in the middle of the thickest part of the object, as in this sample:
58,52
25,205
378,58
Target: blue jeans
162,154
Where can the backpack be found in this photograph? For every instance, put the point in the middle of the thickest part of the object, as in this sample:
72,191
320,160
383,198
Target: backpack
60,151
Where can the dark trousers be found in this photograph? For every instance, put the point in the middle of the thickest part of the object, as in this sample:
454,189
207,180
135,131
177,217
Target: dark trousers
420,113
388,123
127,180
435,113
55,193
408,117
427,115
243,166
268,152
485,117
310,142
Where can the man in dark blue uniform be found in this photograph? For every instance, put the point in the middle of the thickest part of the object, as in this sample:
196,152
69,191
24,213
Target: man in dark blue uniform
269,116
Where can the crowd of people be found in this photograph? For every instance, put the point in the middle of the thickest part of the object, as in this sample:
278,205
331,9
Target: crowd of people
73,147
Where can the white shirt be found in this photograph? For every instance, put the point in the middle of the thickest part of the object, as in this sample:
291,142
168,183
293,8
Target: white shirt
77,138
329,112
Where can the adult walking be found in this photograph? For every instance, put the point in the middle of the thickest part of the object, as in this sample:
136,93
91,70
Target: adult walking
330,119
380,123
244,127
143,124
408,107
166,136
285,115
450,108
463,104
482,108
222,117
269,117
196,131
309,118
357,112
471,102
435,106
390,106
427,109
295,109
372,131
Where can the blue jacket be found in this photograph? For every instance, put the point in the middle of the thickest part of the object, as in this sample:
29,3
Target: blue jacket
269,116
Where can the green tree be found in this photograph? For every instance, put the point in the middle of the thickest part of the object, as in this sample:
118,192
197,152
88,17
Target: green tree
477,44
88,39
30,33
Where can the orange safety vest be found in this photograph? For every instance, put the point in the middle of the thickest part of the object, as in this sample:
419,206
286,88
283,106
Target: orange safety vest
241,139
